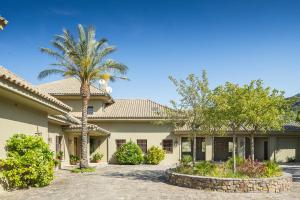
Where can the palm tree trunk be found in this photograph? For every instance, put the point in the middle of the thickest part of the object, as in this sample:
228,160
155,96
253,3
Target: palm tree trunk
85,93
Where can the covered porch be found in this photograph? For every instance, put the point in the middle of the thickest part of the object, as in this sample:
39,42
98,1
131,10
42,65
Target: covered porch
97,141
215,148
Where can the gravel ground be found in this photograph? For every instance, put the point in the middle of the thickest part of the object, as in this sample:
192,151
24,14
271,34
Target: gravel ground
128,182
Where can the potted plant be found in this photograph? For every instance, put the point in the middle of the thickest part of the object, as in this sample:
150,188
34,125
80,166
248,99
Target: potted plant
60,155
57,164
74,159
97,157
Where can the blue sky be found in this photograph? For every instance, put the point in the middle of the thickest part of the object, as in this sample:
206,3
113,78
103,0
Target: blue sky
234,40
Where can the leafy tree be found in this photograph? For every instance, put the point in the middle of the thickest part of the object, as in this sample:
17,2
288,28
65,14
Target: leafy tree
229,104
265,110
194,110
84,59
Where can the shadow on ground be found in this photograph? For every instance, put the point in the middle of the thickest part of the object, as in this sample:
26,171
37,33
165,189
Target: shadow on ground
294,170
145,175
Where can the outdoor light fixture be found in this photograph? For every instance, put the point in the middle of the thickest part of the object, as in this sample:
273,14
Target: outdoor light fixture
3,22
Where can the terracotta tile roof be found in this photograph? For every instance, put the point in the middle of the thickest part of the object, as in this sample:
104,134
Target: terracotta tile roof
7,75
91,128
68,86
129,109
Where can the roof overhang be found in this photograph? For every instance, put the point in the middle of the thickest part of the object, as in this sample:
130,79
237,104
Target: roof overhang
20,95
92,130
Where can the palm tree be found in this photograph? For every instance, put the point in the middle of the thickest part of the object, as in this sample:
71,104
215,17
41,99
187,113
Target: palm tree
84,59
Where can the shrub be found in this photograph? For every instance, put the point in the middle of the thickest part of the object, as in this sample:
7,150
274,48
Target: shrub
186,160
74,159
97,157
129,154
83,170
154,155
204,168
29,162
60,155
272,169
239,161
252,169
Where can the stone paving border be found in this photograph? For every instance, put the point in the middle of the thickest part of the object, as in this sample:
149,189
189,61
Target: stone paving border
270,185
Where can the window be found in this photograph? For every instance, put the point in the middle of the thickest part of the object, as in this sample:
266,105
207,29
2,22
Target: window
90,110
168,146
119,143
186,146
142,144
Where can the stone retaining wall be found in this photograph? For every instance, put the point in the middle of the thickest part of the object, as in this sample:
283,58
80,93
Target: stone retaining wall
276,184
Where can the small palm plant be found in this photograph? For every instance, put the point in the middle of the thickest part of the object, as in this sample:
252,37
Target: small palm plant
84,59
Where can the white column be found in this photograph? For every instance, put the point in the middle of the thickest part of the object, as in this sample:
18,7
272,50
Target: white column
241,146
208,148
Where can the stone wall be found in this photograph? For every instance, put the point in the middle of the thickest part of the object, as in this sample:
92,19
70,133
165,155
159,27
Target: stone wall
276,184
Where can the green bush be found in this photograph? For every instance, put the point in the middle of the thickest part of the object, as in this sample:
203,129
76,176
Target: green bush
239,161
186,160
83,170
29,162
97,157
74,159
272,169
129,154
204,168
155,155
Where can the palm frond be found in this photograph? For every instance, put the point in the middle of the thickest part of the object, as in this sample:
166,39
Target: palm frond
48,72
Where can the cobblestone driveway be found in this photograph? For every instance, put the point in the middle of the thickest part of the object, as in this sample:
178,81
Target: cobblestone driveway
128,182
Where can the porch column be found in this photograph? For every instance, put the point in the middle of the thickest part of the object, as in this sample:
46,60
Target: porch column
209,148
241,146
272,147
88,148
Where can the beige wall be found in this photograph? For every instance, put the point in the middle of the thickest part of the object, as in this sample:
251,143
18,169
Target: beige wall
17,118
56,130
76,104
287,148
154,135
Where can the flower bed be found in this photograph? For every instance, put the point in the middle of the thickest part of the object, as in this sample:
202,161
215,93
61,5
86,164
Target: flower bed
275,184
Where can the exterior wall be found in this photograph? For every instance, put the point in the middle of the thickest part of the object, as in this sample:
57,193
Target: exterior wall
154,135
287,147
76,104
259,147
56,130
17,118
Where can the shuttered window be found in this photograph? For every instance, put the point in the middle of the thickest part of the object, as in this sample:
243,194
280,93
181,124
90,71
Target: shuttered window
119,143
168,146
142,144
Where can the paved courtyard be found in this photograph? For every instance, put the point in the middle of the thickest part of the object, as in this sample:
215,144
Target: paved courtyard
128,182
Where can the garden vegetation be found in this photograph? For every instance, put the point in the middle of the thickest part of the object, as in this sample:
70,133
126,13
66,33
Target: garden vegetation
29,162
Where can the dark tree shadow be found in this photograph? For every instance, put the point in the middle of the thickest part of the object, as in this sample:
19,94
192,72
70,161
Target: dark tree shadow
294,170
145,175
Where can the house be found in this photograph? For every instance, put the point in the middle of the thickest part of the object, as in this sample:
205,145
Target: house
53,111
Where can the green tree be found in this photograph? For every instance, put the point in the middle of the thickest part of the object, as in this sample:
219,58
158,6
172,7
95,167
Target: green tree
265,110
229,106
84,59
193,111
